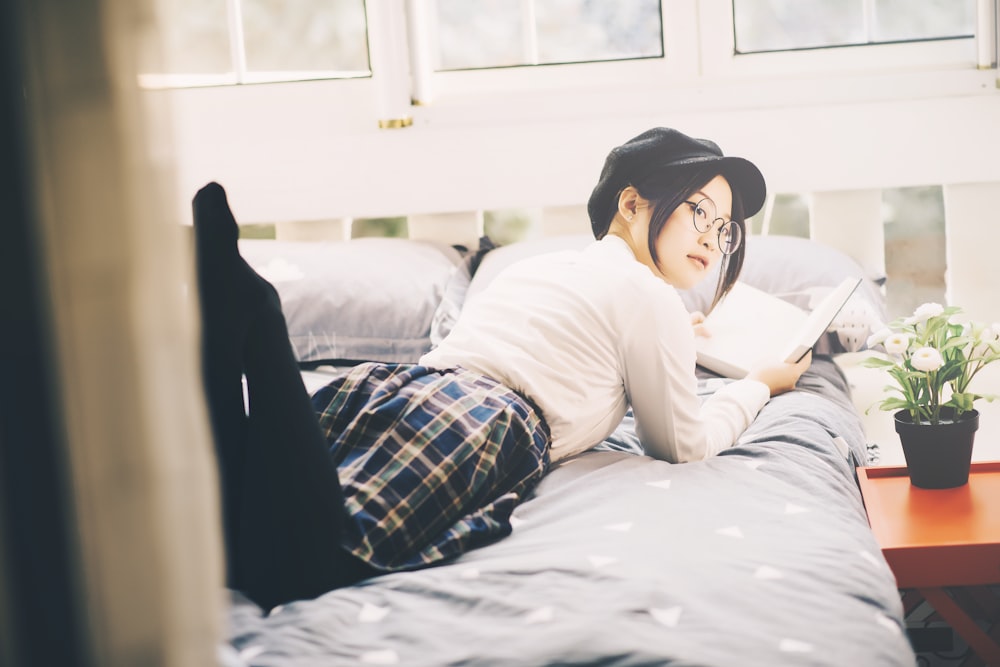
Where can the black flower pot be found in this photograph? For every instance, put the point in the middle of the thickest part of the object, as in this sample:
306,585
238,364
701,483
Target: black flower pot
938,456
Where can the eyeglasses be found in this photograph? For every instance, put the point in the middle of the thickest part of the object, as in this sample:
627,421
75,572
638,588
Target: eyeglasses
703,214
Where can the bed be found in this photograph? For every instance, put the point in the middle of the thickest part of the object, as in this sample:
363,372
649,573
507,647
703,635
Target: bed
759,556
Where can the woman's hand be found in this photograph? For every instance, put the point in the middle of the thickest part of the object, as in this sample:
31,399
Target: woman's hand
698,324
781,377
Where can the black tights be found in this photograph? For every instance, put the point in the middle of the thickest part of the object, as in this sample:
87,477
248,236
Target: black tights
283,508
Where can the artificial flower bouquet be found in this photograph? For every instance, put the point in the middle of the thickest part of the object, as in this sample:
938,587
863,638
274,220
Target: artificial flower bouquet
933,355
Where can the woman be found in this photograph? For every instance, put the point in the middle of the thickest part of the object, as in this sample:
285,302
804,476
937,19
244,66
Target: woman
408,465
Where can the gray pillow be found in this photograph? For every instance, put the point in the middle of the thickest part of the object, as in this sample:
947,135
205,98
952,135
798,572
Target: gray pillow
456,291
502,257
370,299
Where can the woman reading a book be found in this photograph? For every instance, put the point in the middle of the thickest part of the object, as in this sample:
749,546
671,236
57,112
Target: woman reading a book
396,466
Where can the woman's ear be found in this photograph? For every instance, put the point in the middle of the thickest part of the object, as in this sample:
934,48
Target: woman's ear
628,203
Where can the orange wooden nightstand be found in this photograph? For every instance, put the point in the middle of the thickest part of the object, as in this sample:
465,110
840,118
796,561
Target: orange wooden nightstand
941,537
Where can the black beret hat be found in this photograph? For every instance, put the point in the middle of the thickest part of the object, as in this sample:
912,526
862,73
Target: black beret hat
664,147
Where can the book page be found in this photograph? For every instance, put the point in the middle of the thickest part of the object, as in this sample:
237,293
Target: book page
819,319
751,326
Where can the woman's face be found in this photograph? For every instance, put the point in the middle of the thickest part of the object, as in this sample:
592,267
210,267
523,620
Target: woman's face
686,255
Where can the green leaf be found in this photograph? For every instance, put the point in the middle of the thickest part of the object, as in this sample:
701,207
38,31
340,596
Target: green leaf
962,402
949,373
954,348
877,362
894,404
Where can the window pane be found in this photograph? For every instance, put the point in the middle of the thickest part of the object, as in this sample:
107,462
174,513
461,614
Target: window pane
914,248
498,33
896,20
774,25
506,226
305,36
195,38
380,227
583,30
789,216
777,25
485,33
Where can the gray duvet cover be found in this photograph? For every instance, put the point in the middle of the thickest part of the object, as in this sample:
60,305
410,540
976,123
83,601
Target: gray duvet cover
759,556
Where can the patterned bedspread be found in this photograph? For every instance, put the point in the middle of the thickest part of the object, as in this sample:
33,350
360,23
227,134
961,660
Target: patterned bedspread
759,556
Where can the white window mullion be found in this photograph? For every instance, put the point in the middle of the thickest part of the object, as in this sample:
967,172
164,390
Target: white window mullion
237,48
996,36
987,26
389,54
868,21
716,39
529,32
419,17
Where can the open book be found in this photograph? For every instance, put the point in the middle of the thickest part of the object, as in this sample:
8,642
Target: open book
751,326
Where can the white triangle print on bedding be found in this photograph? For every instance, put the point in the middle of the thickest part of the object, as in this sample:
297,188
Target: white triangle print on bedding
383,657
730,531
601,561
794,646
371,613
887,623
768,572
870,558
792,508
540,615
619,527
250,653
668,617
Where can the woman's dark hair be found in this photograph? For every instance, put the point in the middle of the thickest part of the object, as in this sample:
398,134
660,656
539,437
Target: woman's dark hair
668,188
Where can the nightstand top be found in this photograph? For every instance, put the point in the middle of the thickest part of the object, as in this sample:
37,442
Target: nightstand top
936,536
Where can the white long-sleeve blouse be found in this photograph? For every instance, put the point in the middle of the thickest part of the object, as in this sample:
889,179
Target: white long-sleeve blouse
584,334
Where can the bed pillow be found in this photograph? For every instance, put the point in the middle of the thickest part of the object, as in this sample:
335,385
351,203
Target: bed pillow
456,292
370,299
802,271
502,257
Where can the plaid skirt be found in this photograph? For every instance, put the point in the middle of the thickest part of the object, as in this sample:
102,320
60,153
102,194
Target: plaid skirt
432,463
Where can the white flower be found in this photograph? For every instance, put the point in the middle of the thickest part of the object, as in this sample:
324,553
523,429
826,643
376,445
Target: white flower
879,337
925,312
897,343
988,341
926,359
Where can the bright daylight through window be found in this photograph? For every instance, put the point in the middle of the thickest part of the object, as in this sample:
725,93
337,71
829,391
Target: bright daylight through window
780,25
213,42
241,41
498,33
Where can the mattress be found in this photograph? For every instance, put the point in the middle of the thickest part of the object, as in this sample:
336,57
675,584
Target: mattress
761,555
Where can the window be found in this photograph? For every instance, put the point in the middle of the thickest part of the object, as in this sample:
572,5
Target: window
914,247
499,33
240,41
777,25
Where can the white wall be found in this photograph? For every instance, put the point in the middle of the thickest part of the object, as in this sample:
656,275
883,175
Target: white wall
312,150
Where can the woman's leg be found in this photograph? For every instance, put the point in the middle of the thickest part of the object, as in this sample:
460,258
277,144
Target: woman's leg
282,501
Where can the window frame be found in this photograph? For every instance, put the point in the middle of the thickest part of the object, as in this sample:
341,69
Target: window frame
698,62
718,43
698,51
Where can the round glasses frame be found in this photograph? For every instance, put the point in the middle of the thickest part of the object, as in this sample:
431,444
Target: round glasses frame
704,216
